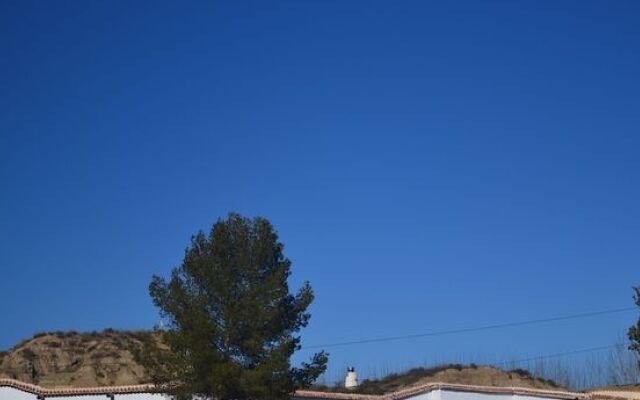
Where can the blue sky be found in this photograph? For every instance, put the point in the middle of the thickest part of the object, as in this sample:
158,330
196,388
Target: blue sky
428,165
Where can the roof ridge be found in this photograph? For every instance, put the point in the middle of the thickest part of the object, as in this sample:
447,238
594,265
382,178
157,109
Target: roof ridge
66,390
397,395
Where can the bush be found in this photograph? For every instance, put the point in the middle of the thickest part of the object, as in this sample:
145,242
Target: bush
29,354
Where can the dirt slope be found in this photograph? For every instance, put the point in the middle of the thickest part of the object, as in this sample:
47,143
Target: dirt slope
75,359
104,358
453,373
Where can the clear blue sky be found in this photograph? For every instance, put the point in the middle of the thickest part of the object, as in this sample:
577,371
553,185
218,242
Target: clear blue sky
428,165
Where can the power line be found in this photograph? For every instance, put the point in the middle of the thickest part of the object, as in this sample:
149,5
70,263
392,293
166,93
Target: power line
563,354
509,363
474,329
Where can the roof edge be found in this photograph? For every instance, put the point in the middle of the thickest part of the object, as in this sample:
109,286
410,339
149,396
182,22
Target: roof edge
310,394
76,391
405,393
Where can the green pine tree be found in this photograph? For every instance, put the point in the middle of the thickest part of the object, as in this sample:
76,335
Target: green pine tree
231,322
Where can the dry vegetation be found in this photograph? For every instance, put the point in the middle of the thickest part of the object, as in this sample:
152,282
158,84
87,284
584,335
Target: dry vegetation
451,373
75,359
105,358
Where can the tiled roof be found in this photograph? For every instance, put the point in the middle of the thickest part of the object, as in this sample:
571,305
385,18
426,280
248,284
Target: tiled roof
76,391
405,393
310,394
616,394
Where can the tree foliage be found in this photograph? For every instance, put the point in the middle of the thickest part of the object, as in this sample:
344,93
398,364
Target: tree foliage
634,331
231,324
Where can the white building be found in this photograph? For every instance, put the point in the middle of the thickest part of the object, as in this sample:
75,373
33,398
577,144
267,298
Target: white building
16,390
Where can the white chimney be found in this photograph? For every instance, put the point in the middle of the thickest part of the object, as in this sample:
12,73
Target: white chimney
351,381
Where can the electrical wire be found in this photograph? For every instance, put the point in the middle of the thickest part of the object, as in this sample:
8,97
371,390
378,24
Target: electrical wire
557,355
473,329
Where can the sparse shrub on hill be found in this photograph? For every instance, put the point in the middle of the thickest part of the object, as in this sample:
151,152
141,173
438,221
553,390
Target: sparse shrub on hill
471,374
28,354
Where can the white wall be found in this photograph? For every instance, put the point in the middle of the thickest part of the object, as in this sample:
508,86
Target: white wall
7,393
432,395
455,395
452,395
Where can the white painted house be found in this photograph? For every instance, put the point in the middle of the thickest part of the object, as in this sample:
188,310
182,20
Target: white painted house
16,390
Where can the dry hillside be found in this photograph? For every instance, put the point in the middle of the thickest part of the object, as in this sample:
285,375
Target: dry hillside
104,358
452,373
75,359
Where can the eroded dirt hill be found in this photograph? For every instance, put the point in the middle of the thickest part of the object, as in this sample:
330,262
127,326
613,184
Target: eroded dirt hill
57,359
452,373
75,359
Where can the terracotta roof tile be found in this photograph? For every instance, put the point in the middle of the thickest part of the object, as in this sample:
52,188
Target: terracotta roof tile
310,394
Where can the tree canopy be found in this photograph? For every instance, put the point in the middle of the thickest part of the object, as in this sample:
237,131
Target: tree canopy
230,322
